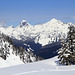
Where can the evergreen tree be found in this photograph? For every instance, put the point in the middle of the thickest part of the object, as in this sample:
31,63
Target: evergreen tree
67,51
7,47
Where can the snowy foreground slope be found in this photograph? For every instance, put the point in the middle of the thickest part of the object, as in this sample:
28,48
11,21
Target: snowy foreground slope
11,61
46,67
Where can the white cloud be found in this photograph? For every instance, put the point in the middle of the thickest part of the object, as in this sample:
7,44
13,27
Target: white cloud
2,21
73,17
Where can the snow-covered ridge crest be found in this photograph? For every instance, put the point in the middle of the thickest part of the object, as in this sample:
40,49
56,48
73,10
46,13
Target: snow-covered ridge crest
24,23
43,33
55,21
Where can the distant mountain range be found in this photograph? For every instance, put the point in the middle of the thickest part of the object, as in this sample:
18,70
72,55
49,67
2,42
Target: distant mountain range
34,37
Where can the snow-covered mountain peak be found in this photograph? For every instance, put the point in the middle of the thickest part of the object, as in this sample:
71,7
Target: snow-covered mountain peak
24,23
55,21
11,26
70,23
4,26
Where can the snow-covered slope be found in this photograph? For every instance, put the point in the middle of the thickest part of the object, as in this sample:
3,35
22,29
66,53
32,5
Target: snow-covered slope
11,55
43,33
7,56
46,67
12,60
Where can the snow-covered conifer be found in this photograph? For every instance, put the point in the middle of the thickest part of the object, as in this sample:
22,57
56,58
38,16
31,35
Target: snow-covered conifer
67,51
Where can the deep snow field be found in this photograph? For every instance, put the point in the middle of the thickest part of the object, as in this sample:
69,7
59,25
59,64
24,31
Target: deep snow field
45,67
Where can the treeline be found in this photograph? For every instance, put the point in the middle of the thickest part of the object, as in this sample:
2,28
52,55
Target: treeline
6,46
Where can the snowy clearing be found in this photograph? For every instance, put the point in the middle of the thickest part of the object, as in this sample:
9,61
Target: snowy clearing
45,67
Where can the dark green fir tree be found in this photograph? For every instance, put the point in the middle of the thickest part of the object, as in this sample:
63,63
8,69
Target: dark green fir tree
67,51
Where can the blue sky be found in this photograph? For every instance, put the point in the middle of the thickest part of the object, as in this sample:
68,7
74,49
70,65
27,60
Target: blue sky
12,12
